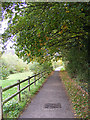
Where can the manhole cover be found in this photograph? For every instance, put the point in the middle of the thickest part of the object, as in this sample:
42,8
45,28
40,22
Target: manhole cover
52,105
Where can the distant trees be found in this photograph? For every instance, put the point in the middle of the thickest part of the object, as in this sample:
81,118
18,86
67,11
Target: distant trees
4,72
10,64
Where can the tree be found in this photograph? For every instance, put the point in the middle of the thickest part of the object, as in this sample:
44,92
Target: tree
44,29
4,71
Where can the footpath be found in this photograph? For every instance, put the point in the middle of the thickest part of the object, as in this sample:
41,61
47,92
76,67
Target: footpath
51,101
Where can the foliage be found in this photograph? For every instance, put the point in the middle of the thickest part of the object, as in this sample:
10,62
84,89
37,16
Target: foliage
42,29
11,106
14,63
62,69
10,64
36,67
47,66
77,65
4,71
78,96
21,66
57,63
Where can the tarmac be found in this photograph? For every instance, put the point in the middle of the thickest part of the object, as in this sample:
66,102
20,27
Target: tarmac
51,101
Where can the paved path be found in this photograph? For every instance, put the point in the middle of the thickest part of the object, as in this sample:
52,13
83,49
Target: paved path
52,92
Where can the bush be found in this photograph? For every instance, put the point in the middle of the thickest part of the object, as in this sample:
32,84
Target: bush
11,109
57,63
14,63
37,67
62,69
77,65
4,71
34,67
47,66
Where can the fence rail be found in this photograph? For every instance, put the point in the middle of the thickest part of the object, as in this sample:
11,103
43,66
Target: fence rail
2,102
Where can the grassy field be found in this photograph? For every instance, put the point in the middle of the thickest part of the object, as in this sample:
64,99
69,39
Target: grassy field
12,108
13,79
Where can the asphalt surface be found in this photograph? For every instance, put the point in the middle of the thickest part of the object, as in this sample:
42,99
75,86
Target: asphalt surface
51,101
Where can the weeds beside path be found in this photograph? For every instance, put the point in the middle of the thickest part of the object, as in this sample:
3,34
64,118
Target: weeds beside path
77,95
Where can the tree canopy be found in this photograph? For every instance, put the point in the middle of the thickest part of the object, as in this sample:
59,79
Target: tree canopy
45,30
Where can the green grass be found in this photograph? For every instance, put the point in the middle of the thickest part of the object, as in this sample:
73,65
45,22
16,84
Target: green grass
13,79
13,108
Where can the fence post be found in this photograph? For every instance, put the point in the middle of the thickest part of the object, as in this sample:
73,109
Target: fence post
38,78
18,89
29,83
41,75
34,80
1,106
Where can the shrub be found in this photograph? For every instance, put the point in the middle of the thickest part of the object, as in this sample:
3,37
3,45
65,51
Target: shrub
62,69
47,66
77,65
57,63
4,71
14,63
37,67
34,67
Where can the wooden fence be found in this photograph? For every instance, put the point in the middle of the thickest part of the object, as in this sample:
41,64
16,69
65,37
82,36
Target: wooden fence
2,102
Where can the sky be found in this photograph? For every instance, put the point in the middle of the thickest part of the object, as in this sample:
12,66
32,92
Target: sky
3,27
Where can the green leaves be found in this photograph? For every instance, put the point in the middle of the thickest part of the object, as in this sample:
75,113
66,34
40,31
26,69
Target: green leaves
54,31
56,25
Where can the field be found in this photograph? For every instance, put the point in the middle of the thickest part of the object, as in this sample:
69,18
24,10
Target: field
13,79
12,108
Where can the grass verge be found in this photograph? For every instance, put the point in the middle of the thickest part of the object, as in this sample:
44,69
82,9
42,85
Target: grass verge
78,96
13,108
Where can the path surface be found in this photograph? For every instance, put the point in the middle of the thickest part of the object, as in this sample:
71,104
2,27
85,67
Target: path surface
52,92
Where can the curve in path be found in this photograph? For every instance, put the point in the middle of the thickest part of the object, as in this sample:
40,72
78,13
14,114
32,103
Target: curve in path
50,102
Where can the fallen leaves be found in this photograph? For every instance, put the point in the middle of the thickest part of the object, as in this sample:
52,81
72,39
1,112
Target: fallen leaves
78,96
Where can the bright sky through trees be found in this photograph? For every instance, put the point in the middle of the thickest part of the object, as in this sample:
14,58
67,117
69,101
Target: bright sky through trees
4,25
